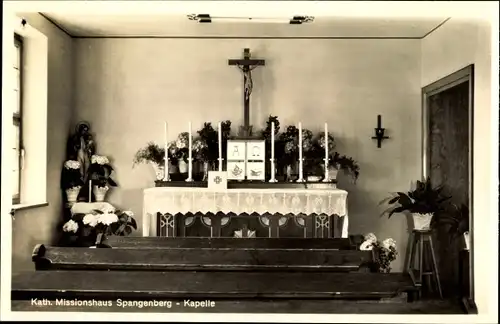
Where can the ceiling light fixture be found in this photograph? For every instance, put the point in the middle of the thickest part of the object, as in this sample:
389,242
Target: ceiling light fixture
295,20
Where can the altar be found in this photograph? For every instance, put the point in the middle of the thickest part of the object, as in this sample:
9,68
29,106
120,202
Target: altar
245,212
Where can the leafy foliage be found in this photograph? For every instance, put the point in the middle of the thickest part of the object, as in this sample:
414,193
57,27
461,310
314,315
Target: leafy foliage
71,178
209,135
151,153
346,164
458,220
423,199
384,257
101,175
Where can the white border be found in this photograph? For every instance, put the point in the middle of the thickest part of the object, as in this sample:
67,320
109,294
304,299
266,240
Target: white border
486,271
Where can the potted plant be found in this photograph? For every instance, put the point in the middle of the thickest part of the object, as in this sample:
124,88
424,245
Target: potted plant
383,252
100,174
290,153
154,155
315,156
341,162
424,202
209,136
71,180
201,154
89,229
458,221
182,145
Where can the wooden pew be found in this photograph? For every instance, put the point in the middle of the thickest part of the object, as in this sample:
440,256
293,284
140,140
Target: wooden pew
202,259
157,242
137,285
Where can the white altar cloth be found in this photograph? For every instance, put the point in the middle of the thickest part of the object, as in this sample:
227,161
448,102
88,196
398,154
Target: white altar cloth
173,200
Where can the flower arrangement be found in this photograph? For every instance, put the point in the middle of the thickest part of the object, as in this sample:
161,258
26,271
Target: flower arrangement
290,140
150,153
200,150
346,164
182,145
209,136
384,252
89,228
226,135
100,171
71,176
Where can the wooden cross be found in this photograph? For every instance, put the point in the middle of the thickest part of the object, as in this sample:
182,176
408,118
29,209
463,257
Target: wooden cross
246,65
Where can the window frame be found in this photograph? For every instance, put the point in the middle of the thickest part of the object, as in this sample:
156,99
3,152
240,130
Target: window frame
17,118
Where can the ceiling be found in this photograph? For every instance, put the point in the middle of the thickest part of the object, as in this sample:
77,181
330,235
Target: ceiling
178,25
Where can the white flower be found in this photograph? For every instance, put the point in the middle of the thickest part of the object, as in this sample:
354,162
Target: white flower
99,159
366,246
70,226
128,213
72,164
371,237
388,243
107,218
180,144
91,220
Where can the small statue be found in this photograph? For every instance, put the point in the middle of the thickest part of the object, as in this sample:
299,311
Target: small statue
81,147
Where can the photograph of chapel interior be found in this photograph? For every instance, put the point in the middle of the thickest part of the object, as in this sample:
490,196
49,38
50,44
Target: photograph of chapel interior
286,158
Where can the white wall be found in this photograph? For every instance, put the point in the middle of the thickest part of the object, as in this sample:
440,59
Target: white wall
127,88
39,225
452,47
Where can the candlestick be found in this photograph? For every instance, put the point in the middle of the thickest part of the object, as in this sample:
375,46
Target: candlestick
220,147
327,175
166,176
273,168
190,156
301,166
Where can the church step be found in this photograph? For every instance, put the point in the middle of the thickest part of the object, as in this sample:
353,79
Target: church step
229,243
198,259
111,285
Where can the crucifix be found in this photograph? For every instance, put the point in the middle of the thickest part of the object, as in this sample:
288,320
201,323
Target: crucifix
379,132
246,65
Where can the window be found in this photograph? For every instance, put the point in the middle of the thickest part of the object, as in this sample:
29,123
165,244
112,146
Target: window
18,148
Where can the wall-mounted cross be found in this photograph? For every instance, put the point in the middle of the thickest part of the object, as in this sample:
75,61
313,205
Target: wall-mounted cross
379,132
246,65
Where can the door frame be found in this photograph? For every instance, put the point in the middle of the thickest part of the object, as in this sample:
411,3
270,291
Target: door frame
465,74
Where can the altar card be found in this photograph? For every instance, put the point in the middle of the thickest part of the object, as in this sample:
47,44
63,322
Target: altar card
236,160
217,180
256,160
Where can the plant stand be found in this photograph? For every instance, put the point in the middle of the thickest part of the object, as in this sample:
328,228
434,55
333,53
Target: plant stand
421,243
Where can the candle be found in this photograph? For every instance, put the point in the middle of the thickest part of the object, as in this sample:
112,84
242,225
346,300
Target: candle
90,190
220,145
272,140
301,174
190,154
300,142
326,143
165,176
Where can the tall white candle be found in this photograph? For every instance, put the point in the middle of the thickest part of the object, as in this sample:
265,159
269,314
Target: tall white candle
301,165
300,143
166,169
326,143
90,190
220,145
272,140
190,153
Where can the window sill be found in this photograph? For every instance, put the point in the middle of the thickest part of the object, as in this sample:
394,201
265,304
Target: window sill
18,207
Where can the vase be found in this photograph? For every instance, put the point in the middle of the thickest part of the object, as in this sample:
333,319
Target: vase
467,241
183,166
72,194
332,173
100,193
205,171
289,173
422,222
159,171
